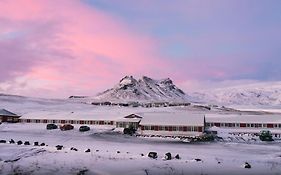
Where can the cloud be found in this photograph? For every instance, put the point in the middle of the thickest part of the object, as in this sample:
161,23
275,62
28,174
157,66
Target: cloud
67,45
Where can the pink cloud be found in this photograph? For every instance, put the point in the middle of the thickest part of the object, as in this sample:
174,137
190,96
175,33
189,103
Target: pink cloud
69,45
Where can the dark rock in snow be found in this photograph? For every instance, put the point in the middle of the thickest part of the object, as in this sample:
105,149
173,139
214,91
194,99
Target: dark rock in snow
26,143
19,142
118,152
177,156
74,149
2,141
87,151
59,147
36,143
168,156
198,160
11,141
247,165
42,144
152,155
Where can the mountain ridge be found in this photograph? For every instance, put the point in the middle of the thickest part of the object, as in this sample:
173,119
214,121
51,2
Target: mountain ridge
253,94
143,89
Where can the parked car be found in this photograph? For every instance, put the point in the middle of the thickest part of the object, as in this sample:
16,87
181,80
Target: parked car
51,126
84,128
66,127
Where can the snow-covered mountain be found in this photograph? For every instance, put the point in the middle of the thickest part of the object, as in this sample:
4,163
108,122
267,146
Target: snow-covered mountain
256,94
145,89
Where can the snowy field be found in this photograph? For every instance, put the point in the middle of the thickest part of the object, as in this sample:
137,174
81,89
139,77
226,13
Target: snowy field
217,157
113,153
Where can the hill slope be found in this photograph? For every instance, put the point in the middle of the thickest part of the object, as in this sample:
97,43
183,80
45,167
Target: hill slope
257,94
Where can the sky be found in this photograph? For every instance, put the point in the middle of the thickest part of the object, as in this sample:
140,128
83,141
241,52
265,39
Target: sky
55,49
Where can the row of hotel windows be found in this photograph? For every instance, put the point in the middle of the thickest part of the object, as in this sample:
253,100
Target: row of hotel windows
173,128
89,122
244,125
126,124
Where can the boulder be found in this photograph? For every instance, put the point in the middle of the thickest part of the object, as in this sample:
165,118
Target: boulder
177,156
42,144
168,156
247,165
36,143
19,142
87,151
2,141
74,149
12,141
152,155
198,160
59,147
26,143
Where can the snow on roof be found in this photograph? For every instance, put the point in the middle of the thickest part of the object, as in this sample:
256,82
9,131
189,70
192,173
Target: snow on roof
235,118
170,119
133,120
76,115
4,112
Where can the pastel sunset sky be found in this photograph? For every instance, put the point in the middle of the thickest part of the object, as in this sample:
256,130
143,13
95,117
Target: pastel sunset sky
58,48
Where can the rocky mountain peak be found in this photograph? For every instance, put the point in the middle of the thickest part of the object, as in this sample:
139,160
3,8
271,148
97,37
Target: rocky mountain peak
144,89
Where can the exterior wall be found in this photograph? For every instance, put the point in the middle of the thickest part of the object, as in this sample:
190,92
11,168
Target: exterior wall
127,124
245,125
81,122
9,119
171,130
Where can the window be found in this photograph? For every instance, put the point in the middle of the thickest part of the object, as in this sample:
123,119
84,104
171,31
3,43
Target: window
170,128
269,125
156,128
243,125
180,128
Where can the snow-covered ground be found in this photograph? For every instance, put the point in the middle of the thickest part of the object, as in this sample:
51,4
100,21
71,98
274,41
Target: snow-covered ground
226,156
217,157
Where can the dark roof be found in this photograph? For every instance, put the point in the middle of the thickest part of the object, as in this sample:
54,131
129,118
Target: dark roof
133,116
4,112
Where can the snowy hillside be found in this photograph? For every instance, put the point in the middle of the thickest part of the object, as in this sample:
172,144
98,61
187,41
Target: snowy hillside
144,89
257,94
